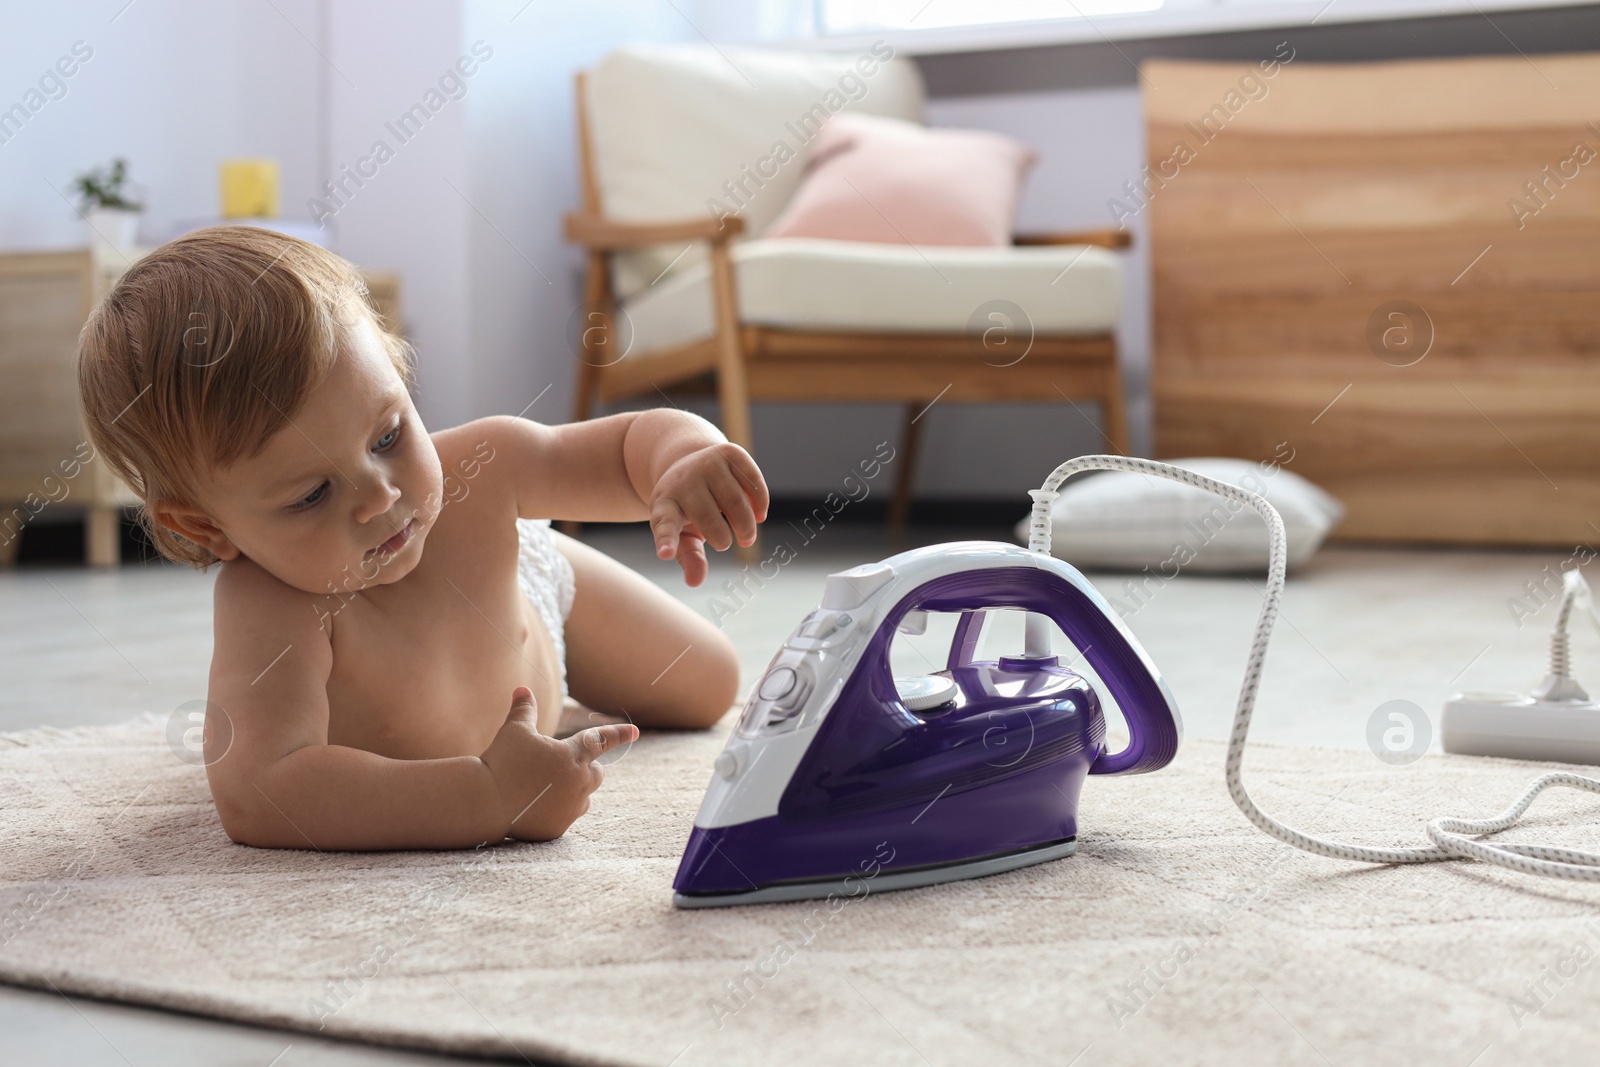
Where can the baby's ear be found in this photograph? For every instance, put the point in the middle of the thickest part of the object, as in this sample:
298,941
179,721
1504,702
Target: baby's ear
194,525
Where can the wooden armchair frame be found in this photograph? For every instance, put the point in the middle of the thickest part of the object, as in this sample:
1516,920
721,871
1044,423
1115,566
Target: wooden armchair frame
741,362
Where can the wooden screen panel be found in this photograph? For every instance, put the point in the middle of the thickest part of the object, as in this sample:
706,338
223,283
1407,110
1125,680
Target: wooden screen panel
1338,190
43,301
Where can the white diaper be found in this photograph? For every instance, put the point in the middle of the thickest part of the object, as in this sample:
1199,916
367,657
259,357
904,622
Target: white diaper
547,581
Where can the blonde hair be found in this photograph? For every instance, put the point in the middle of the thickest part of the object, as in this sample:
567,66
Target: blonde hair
206,348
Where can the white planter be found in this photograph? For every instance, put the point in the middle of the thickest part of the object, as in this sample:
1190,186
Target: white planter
112,228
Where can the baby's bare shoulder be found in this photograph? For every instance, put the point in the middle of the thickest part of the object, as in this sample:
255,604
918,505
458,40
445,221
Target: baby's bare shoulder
270,664
249,604
242,580
487,436
481,456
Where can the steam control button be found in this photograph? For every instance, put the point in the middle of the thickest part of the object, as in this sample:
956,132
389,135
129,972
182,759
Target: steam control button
922,692
727,764
823,627
777,683
795,698
851,588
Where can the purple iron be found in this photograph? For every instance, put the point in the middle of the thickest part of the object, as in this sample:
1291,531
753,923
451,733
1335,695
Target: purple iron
840,776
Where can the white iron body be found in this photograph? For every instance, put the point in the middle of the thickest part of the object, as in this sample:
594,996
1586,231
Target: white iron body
793,696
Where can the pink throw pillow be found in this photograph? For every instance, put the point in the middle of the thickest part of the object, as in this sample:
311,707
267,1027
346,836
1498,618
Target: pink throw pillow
894,182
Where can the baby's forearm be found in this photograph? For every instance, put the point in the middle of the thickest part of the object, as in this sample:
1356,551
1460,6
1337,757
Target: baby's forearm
331,797
657,439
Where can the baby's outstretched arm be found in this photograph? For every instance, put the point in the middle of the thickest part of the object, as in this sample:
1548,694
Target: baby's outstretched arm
671,467
278,783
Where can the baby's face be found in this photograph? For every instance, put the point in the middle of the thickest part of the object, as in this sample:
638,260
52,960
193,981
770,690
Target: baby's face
343,496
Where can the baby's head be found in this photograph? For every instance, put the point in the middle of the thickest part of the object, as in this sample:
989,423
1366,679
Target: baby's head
238,380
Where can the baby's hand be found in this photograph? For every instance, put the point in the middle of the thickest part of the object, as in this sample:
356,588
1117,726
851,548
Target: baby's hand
544,784
711,494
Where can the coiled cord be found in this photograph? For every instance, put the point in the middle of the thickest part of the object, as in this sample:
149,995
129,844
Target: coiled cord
1559,685
1446,833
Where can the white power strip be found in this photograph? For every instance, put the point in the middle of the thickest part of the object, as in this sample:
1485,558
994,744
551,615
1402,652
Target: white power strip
1556,722
1521,727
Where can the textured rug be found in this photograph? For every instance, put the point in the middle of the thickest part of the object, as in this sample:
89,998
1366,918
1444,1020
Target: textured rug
1177,934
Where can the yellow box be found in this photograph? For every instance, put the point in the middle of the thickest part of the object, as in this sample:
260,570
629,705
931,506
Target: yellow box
249,188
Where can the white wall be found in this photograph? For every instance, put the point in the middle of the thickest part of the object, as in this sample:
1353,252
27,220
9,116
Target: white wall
521,151
175,86
409,215
1089,141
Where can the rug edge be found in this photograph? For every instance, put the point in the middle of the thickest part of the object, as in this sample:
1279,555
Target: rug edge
224,1010
43,736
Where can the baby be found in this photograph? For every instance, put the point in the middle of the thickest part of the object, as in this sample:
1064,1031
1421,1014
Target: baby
383,589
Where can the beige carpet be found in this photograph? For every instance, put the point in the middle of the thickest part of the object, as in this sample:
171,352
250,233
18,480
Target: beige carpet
1177,935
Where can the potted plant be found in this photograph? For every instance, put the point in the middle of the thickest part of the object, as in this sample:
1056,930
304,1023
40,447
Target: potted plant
107,207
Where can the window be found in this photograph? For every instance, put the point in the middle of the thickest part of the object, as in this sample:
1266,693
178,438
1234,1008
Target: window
960,25
862,16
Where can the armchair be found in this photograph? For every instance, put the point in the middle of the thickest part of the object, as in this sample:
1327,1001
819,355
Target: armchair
684,295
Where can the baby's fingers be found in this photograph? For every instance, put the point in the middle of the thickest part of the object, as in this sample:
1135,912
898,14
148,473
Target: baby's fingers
666,522
735,507
692,557
524,708
748,475
589,745
705,512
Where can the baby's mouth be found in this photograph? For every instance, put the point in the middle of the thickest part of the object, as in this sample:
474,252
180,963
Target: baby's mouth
395,543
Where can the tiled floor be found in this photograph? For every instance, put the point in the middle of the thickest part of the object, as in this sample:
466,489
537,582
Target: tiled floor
1360,627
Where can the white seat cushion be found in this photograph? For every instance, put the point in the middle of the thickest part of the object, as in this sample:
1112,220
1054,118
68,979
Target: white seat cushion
850,286
679,129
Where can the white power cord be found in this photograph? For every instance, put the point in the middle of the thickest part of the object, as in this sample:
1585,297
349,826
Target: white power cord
1446,833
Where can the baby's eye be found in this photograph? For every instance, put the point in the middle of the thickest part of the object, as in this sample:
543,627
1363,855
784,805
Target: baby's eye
310,500
387,440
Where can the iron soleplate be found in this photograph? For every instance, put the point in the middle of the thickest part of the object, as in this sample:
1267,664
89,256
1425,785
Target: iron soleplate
909,879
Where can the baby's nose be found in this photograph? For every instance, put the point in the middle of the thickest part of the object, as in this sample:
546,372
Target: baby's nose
377,501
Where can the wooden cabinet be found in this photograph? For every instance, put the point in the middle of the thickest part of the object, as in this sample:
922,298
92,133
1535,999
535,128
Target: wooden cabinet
44,299
1391,268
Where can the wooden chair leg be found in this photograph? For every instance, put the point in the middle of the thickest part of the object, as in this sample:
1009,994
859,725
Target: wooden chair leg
102,536
583,401
596,340
1114,408
900,507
